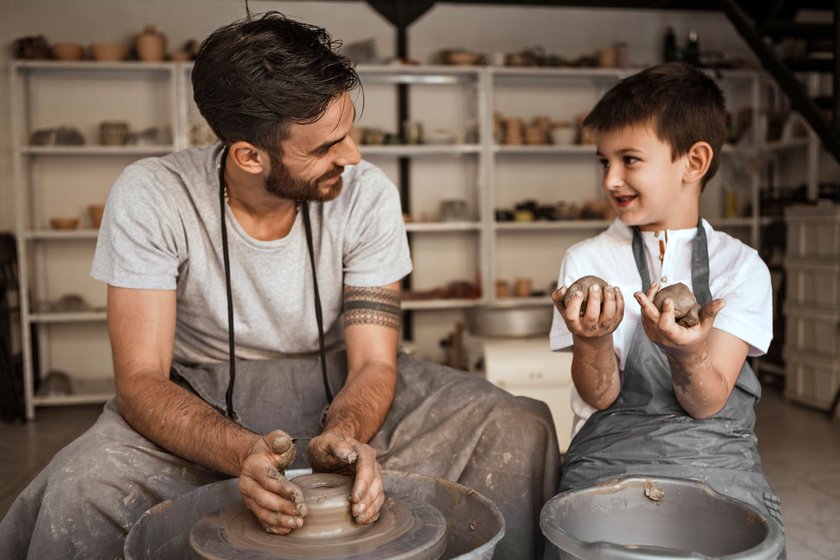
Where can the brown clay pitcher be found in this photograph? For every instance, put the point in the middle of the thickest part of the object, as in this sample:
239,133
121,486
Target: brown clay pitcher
150,45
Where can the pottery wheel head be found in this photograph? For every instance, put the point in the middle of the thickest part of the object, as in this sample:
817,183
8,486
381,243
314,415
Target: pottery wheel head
407,528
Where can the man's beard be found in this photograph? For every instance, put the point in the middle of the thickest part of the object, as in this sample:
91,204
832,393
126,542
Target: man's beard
283,184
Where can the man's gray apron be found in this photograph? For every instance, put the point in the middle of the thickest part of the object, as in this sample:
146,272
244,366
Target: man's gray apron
442,422
647,432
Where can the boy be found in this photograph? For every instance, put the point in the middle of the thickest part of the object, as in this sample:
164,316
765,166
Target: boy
653,397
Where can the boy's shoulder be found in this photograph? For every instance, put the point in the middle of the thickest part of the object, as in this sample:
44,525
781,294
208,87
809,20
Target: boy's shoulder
615,236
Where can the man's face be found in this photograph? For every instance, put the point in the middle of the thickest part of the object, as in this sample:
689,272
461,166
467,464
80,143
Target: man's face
314,155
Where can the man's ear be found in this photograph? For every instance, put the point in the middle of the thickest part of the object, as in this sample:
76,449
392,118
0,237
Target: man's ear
698,160
249,158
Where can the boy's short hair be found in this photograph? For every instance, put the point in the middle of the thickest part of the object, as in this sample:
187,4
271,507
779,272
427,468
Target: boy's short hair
680,103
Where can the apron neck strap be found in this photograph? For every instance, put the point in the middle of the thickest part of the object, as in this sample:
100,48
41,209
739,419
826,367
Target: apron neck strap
699,263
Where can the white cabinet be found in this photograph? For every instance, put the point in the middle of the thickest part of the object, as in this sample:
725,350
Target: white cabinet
453,190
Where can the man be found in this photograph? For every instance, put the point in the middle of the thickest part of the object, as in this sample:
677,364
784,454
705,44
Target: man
229,268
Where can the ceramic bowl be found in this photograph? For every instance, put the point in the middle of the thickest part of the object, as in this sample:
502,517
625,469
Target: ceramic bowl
108,51
68,51
64,223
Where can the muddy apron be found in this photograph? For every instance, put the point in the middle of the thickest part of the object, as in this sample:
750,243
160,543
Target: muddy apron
647,432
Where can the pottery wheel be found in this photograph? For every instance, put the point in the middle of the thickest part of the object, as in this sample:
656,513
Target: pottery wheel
407,528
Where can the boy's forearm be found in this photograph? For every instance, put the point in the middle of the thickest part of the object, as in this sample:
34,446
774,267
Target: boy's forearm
700,388
595,370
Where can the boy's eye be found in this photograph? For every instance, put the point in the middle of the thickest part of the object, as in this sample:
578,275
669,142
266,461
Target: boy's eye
604,163
630,160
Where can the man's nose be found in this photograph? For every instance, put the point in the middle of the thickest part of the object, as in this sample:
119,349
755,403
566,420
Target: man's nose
347,152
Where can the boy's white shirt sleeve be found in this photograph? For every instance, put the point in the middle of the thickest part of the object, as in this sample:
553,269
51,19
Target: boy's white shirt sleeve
561,339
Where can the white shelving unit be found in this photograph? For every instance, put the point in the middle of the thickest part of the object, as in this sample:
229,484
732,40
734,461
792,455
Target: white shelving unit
49,179
61,180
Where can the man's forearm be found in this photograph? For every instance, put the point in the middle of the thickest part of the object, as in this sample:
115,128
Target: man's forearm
183,424
359,409
595,371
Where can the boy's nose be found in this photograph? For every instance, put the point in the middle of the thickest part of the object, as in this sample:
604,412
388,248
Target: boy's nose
612,178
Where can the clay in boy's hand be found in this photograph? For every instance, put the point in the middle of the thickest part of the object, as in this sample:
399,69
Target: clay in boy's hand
582,285
686,309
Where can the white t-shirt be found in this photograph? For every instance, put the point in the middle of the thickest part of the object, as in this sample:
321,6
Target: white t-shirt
161,230
736,273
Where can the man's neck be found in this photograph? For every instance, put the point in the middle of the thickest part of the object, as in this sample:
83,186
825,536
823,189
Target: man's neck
262,215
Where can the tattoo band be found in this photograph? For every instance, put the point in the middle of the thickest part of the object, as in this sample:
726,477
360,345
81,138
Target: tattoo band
372,306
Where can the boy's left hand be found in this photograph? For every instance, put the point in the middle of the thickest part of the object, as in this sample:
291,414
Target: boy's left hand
662,328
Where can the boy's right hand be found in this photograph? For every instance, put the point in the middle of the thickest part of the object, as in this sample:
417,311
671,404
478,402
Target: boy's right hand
603,313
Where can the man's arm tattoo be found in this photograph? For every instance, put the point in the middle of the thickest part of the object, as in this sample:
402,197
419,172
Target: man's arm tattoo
372,306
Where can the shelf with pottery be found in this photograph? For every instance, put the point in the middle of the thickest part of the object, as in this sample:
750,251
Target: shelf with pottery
97,150
419,150
75,125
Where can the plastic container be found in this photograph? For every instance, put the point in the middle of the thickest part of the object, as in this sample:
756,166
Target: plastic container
810,380
653,518
813,231
813,331
813,283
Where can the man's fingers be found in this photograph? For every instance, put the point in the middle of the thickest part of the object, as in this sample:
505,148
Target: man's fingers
279,443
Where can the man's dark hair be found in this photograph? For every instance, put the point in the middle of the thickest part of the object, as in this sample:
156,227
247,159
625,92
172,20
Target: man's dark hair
253,78
679,102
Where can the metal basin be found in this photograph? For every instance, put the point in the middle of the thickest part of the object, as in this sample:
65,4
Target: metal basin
509,320
628,519
474,524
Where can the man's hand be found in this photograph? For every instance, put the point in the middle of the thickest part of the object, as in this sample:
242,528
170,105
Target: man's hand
663,330
276,502
597,320
333,452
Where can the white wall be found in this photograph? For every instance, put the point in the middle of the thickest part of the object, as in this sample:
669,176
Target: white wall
567,32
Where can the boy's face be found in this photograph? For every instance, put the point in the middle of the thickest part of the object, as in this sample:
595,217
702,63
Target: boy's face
643,184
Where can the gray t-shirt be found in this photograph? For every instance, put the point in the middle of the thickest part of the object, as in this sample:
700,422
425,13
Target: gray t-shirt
162,230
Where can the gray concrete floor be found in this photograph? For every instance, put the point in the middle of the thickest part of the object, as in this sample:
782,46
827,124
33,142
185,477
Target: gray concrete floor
800,449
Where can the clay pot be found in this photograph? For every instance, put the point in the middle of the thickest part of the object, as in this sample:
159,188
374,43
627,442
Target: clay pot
108,52
68,51
96,212
150,45
64,223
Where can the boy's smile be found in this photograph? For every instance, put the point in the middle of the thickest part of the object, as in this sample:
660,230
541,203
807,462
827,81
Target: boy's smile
645,186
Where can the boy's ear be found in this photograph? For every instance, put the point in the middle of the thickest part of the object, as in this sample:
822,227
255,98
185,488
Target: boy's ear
249,158
698,158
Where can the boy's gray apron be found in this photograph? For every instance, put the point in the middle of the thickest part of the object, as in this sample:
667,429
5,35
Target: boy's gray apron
647,432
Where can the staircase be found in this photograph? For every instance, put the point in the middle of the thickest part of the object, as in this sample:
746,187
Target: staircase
771,28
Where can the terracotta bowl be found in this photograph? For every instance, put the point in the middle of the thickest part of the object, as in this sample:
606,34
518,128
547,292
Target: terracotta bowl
64,223
68,51
108,51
